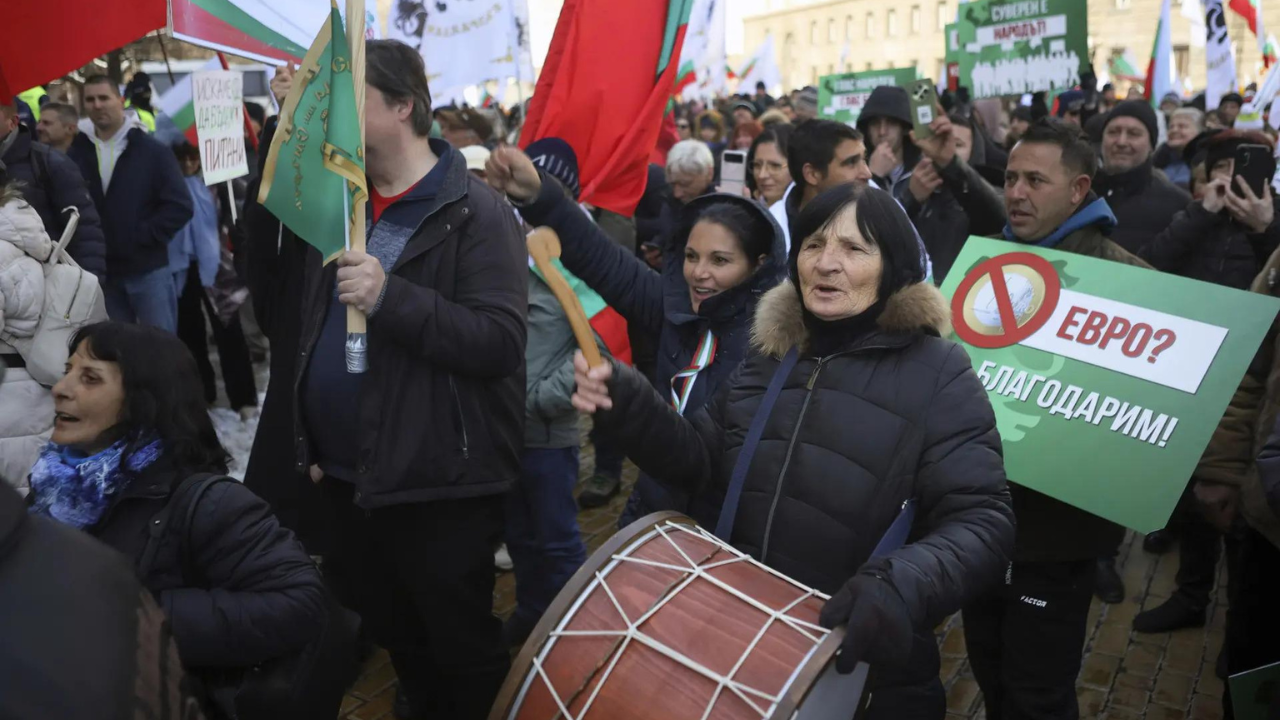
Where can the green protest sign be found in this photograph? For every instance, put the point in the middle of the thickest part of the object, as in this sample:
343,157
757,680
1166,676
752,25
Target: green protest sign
1107,380
1009,47
841,97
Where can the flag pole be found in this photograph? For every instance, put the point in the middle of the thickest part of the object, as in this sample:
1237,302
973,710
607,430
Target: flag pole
357,351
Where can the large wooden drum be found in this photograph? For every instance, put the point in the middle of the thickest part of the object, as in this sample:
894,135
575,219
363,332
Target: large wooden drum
667,622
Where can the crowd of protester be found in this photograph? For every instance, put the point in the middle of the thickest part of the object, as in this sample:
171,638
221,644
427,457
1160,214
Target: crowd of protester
392,495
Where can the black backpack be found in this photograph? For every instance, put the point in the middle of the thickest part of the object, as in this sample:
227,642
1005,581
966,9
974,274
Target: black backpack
308,684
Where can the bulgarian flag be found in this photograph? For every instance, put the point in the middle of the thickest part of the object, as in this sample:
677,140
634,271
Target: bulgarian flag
275,32
687,76
177,103
1160,68
609,113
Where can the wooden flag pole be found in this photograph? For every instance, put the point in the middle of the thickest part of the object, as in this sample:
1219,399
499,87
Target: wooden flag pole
544,245
357,323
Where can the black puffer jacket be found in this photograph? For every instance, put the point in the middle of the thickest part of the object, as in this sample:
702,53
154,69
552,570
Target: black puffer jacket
965,205
1212,247
1144,203
83,640
51,183
259,595
899,415
658,304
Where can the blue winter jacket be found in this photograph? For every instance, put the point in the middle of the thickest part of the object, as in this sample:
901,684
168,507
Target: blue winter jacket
146,204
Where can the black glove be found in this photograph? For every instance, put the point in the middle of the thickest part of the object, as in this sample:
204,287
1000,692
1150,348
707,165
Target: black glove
878,627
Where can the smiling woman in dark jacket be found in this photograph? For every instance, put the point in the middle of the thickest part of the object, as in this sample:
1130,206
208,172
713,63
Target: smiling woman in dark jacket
727,252
877,412
131,426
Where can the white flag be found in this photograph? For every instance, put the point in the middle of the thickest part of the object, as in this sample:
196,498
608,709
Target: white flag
1162,70
465,43
761,68
1219,57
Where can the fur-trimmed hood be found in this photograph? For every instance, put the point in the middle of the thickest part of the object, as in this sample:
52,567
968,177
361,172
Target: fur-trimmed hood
779,320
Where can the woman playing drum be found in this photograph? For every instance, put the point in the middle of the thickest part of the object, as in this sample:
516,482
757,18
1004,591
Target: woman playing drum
877,416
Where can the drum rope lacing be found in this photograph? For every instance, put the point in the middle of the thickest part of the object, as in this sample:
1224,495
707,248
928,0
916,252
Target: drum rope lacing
632,633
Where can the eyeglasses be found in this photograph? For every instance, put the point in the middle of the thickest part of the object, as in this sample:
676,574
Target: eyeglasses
772,167
683,126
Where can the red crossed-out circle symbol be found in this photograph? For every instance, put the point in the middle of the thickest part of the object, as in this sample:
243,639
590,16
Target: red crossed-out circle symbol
1013,329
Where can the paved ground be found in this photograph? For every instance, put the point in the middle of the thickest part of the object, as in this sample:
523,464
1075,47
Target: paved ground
1125,676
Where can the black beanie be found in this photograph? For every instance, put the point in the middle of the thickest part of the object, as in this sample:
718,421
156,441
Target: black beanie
1139,110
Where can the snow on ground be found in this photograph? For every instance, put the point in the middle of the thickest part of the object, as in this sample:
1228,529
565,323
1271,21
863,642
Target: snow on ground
236,434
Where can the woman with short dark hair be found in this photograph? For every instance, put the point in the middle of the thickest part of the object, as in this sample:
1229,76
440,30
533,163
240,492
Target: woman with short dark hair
877,418
725,254
130,426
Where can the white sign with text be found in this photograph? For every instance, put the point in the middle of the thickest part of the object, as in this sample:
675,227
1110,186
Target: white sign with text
218,97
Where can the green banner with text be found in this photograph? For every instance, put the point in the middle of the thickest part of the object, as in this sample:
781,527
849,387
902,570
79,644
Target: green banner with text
841,97
1107,380
1010,47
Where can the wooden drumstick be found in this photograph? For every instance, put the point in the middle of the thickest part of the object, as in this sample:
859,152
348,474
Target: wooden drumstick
544,245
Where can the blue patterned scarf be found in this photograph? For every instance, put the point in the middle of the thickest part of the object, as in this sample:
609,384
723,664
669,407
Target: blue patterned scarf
76,491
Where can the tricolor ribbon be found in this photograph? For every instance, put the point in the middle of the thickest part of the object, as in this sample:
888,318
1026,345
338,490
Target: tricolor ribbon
682,382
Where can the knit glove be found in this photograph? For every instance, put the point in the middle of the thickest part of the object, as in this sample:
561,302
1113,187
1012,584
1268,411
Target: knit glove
878,627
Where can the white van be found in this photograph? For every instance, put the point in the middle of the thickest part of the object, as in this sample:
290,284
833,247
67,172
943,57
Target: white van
257,78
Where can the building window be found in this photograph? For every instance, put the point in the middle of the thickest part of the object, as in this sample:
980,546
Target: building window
831,69
915,19
1182,61
943,16
831,31
871,25
848,27
868,67
813,33
891,24
892,64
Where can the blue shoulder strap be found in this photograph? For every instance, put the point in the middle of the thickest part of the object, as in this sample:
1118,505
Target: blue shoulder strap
896,536
729,511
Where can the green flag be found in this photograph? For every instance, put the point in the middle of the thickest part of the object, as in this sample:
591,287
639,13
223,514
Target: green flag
318,142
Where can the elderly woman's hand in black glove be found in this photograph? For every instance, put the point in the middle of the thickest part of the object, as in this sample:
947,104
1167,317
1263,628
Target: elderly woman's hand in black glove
878,627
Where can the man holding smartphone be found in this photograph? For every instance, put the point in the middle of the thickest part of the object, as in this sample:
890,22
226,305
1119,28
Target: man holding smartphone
1221,237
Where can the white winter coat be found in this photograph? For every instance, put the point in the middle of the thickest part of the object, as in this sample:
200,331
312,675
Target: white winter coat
26,407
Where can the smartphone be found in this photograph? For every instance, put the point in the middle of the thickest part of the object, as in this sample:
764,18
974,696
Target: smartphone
924,101
733,171
1256,165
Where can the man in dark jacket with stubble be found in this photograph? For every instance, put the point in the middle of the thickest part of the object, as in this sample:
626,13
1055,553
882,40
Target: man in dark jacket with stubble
416,455
51,182
1025,639
1143,200
138,188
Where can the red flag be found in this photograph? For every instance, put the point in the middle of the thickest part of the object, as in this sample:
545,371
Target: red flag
31,55
609,112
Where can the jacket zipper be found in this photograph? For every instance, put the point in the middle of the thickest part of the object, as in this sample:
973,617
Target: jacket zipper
795,434
74,295
462,420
